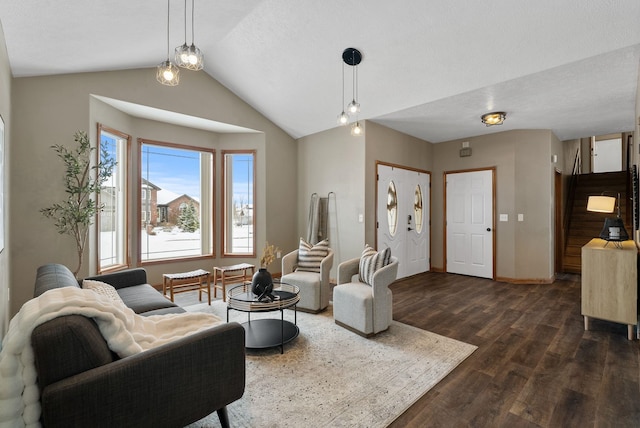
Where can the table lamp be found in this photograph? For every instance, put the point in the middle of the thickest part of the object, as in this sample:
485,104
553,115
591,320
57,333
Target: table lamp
613,229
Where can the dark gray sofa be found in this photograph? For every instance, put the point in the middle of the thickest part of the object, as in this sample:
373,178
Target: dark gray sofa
82,383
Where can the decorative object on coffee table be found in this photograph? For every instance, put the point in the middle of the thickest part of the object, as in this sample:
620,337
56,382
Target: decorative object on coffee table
262,285
262,282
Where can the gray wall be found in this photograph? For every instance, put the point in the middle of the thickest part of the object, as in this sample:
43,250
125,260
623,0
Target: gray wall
48,110
335,161
524,185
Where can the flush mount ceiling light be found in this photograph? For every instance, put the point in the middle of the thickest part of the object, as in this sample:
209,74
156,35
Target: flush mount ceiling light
495,118
167,73
189,57
351,57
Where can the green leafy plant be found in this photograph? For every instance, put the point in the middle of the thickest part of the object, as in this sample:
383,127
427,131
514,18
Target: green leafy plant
82,181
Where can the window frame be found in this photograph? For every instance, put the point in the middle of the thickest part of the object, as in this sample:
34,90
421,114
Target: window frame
226,208
123,168
212,222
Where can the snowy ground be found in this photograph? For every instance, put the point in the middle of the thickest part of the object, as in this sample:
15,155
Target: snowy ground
175,243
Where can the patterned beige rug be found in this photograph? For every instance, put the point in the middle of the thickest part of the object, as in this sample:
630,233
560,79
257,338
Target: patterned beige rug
329,376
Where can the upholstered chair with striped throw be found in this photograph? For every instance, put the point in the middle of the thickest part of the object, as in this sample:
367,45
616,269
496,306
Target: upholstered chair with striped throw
309,267
362,301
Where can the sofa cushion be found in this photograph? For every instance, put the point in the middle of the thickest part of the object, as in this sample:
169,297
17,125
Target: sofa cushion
53,275
102,289
310,256
143,298
371,261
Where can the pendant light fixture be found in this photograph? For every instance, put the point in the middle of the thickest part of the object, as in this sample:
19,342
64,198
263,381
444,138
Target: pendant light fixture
351,57
356,129
189,57
167,73
343,118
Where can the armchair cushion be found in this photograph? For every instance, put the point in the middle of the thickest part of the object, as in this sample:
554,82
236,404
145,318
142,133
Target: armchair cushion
310,256
371,261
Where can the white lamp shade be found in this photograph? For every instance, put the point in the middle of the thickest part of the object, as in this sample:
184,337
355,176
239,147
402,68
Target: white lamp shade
601,204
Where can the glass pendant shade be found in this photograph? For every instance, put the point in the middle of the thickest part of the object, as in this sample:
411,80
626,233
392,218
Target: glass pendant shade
195,59
356,129
168,74
353,107
189,57
182,55
343,118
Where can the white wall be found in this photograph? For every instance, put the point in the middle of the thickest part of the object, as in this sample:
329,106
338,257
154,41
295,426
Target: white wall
5,112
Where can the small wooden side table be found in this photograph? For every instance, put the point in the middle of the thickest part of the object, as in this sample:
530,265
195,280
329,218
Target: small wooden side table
186,281
225,275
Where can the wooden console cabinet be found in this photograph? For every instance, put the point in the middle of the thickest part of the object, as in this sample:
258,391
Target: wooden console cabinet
610,282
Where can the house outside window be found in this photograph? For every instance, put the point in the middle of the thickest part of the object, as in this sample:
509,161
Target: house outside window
174,176
238,202
112,221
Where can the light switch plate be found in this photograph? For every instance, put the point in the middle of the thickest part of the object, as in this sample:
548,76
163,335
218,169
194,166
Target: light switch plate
520,217
504,217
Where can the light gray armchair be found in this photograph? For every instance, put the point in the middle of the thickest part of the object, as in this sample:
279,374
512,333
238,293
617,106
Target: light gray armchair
315,289
362,308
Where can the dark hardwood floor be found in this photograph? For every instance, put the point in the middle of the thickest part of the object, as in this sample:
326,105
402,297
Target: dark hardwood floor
535,366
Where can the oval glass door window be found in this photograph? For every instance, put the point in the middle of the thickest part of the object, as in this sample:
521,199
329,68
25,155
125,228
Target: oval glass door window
417,208
392,208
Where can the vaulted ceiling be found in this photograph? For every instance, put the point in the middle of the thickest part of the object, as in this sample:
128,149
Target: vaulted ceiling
430,68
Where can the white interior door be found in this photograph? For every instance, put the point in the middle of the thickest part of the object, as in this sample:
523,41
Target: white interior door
469,223
403,217
607,155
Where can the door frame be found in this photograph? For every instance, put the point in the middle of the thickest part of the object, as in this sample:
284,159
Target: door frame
559,223
422,171
493,208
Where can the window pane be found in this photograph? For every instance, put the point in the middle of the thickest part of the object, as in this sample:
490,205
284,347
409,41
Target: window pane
417,208
175,203
392,208
239,199
112,245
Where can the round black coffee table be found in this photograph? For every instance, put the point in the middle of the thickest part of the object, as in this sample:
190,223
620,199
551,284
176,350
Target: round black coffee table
268,332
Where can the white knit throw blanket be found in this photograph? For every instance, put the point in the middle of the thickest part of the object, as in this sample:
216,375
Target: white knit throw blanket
125,332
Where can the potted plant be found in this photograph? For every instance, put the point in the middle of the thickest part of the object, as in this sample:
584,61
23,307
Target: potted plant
82,181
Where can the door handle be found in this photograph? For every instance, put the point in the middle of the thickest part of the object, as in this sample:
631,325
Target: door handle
409,229
488,229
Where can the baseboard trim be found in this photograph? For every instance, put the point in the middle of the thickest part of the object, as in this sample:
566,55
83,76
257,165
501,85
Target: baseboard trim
531,281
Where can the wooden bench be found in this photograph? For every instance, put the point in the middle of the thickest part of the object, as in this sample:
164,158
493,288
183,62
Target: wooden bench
222,276
186,281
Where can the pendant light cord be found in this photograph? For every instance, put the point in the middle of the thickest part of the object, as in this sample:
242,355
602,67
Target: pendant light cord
185,22
192,19
168,10
342,100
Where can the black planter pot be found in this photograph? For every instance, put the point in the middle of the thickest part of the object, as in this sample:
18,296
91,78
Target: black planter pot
262,285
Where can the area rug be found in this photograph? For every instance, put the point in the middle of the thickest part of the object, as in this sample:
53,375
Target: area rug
329,376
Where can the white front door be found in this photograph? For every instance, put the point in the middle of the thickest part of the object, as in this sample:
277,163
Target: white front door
469,223
403,217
